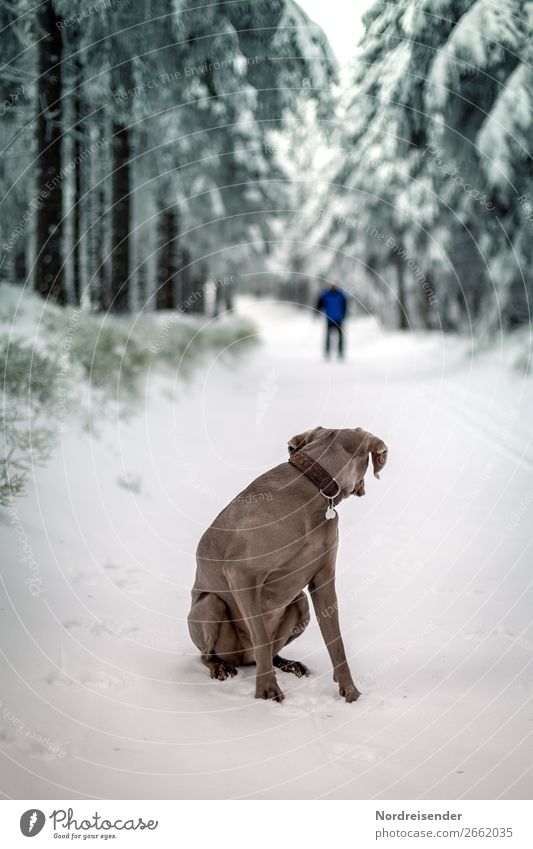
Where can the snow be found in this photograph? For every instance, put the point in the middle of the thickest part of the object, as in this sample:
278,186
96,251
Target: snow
313,44
507,127
485,31
103,693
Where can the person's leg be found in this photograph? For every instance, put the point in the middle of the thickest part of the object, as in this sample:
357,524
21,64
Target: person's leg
341,340
328,338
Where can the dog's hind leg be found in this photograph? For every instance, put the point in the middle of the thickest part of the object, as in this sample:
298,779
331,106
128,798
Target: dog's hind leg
295,666
214,634
295,621
219,669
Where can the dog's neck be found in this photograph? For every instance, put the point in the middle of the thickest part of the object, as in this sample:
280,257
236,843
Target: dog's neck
333,483
317,474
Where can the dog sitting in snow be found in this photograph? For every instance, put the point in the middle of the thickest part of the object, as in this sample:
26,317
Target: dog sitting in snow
248,599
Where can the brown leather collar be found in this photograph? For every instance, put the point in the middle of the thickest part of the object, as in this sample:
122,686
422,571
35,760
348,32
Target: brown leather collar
316,473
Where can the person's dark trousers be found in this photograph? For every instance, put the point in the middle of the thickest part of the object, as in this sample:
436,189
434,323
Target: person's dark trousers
334,327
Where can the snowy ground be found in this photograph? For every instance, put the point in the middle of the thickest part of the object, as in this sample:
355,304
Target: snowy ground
103,695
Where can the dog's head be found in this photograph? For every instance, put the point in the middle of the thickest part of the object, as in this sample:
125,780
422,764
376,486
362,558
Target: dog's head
345,453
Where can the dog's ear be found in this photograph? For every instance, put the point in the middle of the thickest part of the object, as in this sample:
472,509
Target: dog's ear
367,444
360,489
379,452
302,439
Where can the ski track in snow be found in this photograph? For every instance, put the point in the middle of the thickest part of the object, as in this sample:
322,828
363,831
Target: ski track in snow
103,693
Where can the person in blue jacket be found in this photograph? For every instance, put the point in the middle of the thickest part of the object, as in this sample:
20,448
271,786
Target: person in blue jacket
333,303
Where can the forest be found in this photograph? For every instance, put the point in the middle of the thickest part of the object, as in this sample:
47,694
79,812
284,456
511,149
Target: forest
425,204
136,182
133,137
155,155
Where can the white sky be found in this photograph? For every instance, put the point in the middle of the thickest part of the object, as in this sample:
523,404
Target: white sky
340,20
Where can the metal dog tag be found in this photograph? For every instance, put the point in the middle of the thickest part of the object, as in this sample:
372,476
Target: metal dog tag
330,512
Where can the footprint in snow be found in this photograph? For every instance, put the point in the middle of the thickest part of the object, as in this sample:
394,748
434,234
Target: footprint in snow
71,624
132,482
356,752
126,578
36,745
94,679
100,626
100,679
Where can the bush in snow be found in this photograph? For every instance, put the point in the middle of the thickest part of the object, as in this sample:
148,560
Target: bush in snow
50,357
112,353
28,383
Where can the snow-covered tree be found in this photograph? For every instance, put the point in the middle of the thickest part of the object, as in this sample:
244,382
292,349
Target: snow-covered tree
16,148
434,163
151,121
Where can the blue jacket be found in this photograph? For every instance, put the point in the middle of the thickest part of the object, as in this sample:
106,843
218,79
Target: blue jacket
332,302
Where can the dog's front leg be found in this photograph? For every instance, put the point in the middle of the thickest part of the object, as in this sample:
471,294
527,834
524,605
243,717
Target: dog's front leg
324,598
248,599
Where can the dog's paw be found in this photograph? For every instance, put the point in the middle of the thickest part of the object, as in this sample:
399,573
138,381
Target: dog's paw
293,666
269,690
349,692
222,670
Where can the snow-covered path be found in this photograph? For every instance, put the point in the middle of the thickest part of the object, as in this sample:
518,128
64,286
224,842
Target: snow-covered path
103,695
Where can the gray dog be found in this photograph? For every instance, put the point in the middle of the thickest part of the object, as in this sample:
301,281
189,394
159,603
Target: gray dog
254,562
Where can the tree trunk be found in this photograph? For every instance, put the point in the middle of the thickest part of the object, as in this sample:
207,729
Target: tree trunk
167,258
199,300
223,298
100,289
186,281
217,302
120,218
142,285
199,277
20,266
403,320
49,276
76,211
425,310
97,232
